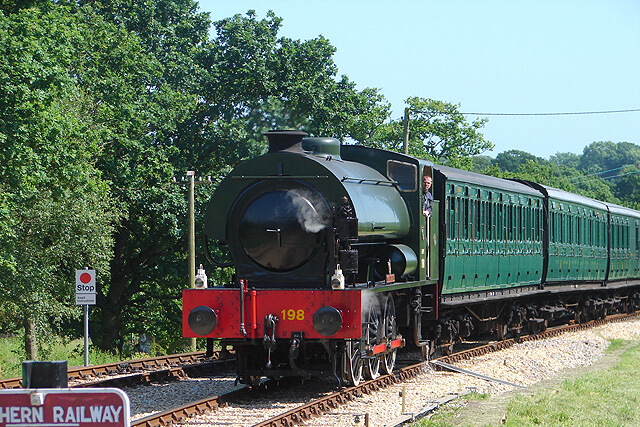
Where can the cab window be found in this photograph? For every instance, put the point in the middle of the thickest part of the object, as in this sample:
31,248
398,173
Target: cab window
405,174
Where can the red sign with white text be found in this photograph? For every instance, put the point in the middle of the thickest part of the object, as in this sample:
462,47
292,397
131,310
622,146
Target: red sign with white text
50,407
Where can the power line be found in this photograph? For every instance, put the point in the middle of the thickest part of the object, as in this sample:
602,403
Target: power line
603,172
609,177
555,114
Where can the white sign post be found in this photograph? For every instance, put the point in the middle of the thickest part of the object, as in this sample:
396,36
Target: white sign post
86,295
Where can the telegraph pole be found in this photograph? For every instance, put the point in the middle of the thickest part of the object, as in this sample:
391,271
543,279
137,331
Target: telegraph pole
191,184
405,132
192,233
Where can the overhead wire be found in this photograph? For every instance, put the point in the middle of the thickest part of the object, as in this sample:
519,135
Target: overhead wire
635,110
610,177
602,172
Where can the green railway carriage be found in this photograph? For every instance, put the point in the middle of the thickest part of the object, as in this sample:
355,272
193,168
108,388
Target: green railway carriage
624,247
492,230
575,237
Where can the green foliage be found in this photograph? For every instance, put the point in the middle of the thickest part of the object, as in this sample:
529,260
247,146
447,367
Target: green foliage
571,160
604,398
510,161
481,163
618,164
557,173
608,157
616,344
257,81
437,131
102,102
121,97
57,348
57,215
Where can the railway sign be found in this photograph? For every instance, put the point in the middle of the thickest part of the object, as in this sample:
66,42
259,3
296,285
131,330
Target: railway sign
85,287
52,407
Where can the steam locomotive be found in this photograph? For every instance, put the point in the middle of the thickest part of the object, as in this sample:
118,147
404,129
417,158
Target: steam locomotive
337,267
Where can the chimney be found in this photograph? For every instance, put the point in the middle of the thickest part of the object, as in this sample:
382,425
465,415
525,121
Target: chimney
289,140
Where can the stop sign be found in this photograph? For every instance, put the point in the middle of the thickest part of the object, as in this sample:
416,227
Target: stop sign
85,287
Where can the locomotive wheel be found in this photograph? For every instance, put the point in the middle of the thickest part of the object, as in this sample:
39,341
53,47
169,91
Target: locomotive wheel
353,362
373,331
390,332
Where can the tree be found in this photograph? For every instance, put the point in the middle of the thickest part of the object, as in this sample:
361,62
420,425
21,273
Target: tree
617,163
176,101
609,157
143,94
145,82
257,81
56,213
511,160
562,177
571,160
481,163
437,131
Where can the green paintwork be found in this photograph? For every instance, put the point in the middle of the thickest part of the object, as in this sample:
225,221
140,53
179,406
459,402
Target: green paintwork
624,235
379,208
493,238
577,241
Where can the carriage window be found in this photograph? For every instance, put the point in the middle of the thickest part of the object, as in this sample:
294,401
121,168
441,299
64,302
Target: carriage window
405,174
451,223
466,224
490,222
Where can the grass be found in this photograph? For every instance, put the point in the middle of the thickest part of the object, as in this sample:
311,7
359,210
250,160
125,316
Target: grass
449,411
609,397
12,354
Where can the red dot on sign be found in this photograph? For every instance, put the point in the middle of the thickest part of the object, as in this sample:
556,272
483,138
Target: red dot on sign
85,277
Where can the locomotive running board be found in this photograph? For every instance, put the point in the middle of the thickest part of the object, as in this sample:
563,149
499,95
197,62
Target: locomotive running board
381,348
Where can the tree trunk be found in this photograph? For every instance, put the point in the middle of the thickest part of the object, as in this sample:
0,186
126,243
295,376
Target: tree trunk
108,334
30,338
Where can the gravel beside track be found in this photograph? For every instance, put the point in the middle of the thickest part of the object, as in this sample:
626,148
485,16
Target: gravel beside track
524,364
149,399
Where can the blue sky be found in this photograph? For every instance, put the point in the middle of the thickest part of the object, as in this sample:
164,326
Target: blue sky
537,56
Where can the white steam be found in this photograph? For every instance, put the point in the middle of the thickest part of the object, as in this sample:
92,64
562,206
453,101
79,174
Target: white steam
369,301
305,203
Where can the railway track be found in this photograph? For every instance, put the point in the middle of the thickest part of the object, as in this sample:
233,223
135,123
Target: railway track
136,371
500,345
322,405
148,368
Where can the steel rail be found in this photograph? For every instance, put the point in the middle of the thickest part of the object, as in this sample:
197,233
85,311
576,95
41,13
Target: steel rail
160,376
208,404
325,404
129,366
